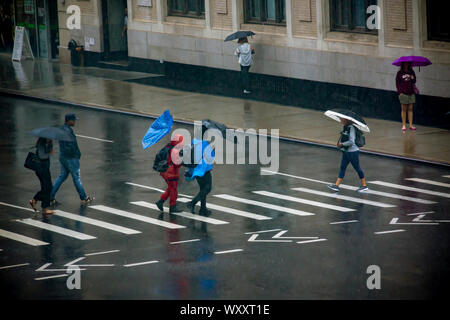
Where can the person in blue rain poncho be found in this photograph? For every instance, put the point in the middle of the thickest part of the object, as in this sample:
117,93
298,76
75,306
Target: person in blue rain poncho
202,157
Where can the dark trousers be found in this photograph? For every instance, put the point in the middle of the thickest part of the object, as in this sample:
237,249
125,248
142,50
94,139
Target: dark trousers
353,158
244,77
205,184
43,173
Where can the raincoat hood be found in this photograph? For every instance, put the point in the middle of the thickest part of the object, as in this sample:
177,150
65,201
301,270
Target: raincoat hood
177,140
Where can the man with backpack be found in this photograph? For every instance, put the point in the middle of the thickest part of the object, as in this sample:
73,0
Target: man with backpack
350,141
167,163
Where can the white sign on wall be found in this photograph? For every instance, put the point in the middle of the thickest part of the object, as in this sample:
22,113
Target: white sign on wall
144,3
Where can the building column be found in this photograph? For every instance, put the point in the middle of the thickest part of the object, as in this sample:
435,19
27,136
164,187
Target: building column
160,11
208,14
321,23
416,23
289,20
381,44
236,12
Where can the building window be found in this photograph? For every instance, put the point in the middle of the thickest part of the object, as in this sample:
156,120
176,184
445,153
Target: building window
438,22
187,8
265,11
350,15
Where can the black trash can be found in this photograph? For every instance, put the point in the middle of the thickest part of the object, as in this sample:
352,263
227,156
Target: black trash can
76,53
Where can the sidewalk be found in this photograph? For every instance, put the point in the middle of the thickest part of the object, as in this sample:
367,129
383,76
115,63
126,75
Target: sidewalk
111,89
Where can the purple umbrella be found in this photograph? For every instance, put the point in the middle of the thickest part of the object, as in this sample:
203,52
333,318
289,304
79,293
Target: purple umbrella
416,61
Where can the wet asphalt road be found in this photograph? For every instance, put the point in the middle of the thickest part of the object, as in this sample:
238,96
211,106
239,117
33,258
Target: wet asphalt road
220,262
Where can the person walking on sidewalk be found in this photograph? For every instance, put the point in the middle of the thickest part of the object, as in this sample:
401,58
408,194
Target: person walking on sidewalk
202,173
69,158
244,53
350,154
44,148
405,82
172,174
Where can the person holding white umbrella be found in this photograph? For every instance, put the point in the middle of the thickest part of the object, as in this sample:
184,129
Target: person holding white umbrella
349,143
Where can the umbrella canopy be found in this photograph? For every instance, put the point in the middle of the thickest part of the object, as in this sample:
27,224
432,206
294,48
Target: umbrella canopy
203,153
338,114
159,128
52,133
239,34
211,124
416,61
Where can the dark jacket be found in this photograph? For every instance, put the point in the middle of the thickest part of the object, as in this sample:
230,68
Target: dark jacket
404,82
67,149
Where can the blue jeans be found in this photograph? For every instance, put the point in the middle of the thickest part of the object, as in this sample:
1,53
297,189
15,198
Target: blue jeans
353,158
71,166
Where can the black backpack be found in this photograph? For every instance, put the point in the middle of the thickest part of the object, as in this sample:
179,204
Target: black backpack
360,139
160,163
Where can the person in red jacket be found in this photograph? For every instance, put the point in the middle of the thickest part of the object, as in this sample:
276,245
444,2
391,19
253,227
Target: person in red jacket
172,175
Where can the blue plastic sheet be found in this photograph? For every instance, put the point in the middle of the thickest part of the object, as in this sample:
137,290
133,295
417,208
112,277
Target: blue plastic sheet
159,128
203,151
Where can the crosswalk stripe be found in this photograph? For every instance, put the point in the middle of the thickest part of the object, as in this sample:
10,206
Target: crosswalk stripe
187,215
140,263
343,186
21,238
436,183
15,266
56,229
338,196
389,195
139,217
264,205
17,207
153,188
231,210
341,222
305,201
95,222
448,176
399,186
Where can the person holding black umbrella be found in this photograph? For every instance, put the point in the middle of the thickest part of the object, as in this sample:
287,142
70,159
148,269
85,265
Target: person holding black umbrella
69,158
44,149
244,53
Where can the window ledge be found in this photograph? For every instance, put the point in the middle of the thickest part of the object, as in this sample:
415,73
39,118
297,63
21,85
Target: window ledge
265,28
436,45
349,37
193,22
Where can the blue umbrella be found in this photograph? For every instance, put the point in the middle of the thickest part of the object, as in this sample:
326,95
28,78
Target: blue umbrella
203,151
159,128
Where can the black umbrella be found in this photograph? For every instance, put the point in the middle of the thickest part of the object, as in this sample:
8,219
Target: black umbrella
52,133
211,124
239,34
358,121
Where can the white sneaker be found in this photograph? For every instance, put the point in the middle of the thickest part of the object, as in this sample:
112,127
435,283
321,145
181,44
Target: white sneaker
246,91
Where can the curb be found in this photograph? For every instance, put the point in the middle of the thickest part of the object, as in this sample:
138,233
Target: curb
16,93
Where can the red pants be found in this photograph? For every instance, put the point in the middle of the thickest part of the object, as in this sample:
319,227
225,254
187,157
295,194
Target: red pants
171,192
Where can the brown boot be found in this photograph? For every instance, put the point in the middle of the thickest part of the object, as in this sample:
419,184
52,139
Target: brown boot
47,212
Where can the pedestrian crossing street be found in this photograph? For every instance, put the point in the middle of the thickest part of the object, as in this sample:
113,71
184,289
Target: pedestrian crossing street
386,195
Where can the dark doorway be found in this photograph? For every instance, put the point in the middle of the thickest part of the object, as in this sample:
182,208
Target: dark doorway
115,39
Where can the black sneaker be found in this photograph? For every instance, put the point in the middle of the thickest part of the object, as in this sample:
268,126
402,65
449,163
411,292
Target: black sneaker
333,187
190,206
174,209
159,204
363,189
205,212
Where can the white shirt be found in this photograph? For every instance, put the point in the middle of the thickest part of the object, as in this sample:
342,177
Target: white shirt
244,54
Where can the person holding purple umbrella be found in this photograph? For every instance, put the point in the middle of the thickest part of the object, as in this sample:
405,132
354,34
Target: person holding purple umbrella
405,82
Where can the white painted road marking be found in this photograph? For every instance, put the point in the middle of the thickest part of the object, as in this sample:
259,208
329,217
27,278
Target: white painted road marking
310,241
255,236
187,215
184,241
264,205
140,263
304,201
279,236
389,231
21,238
394,221
139,217
399,186
231,211
436,183
87,137
95,222
45,266
52,277
155,189
17,207
228,251
343,186
340,222
74,261
347,198
263,231
97,253
447,176
14,266
56,229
